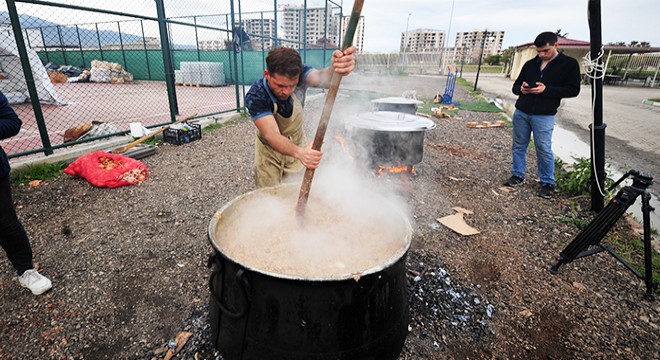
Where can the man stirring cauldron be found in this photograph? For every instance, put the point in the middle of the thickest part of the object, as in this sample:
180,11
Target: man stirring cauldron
275,103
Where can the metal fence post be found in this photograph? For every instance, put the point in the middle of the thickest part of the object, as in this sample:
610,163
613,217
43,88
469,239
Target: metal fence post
121,46
238,100
304,33
59,34
277,42
82,55
29,78
98,37
167,59
43,40
240,39
199,58
146,53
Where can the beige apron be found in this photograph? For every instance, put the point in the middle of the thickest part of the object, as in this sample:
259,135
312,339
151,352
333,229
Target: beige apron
271,167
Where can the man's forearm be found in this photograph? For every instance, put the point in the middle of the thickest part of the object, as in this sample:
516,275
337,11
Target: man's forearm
326,76
284,146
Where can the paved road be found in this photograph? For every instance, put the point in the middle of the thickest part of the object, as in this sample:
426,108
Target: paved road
632,136
633,128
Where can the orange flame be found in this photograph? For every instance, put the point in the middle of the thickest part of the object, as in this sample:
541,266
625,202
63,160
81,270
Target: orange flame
395,169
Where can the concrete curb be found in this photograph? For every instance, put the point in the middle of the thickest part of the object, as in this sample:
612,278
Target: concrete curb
650,103
68,155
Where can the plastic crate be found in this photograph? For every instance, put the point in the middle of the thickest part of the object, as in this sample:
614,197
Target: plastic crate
184,135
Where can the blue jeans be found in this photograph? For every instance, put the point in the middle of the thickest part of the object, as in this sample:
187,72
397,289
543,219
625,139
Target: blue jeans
541,126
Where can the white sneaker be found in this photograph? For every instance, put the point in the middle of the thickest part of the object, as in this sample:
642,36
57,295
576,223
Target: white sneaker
34,281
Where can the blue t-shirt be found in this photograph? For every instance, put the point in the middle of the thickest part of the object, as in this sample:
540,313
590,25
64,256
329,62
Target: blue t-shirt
259,99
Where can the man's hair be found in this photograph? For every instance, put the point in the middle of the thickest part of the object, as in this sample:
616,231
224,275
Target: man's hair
545,38
284,61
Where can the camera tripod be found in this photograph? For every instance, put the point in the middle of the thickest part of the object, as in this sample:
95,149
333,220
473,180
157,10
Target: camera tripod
605,220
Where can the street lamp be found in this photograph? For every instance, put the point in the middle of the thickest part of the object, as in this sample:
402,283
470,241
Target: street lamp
405,37
481,54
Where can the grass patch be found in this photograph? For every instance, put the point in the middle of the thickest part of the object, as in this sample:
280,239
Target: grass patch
655,99
428,105
151,141
215,126
39,172
464,83
468,85
577,179
479,106
631,249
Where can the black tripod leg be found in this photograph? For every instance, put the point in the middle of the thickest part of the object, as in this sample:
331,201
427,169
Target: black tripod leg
648,261
594,232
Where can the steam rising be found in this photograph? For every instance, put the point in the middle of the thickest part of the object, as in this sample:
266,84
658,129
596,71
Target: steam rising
351,226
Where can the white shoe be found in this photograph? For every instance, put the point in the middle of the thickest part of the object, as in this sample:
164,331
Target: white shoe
34,281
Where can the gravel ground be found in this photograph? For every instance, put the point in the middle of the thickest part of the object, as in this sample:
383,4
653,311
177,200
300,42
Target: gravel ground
129,264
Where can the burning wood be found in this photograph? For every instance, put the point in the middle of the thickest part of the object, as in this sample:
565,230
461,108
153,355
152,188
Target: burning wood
396,169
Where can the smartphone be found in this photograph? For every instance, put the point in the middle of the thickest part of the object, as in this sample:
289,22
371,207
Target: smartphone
531,85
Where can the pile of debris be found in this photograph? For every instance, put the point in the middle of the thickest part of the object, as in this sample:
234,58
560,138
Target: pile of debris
101,72
104,72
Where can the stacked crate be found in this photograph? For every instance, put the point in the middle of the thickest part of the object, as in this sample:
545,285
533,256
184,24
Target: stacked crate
200,73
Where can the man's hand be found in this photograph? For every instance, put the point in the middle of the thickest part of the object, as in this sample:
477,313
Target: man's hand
309,157
540,88
344,62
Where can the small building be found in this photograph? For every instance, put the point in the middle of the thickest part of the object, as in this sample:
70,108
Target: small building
579,49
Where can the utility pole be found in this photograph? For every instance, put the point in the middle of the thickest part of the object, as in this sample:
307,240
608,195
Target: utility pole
405,36
481,54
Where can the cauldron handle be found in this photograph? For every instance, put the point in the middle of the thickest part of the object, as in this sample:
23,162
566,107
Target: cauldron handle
245,285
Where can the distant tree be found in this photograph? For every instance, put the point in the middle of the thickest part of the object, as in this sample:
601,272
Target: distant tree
507,54
559,33
634,43
493,59
645,44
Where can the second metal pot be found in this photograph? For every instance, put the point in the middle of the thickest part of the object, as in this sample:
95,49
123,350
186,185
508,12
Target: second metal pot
389,138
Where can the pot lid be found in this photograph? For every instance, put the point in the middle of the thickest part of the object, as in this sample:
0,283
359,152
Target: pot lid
397,100
389,121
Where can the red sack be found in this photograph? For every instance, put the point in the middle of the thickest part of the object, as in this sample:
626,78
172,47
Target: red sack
103,169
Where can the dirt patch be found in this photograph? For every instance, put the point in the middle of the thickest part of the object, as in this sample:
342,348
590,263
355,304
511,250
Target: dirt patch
129,265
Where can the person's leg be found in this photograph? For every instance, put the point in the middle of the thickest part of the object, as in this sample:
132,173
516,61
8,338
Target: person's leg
542,126
13,238
521,135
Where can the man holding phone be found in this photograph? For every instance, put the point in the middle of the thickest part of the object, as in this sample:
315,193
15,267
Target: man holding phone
540,86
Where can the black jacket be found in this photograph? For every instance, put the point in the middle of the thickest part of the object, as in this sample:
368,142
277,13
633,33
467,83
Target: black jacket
562,80
10,124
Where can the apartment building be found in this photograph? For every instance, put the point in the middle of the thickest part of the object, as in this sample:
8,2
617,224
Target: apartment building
310,24
468,44
261,32
422,40
358,38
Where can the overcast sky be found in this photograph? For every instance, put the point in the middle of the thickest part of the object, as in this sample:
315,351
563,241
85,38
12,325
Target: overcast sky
521,20
385,20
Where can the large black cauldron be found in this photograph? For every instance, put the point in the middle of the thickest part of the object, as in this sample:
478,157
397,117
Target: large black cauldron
388,138
259,315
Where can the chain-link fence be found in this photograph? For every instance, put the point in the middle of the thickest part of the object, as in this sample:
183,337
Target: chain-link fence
428,63
92,67
633,68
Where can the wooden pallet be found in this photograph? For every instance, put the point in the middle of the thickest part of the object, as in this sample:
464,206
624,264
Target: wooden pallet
485,124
